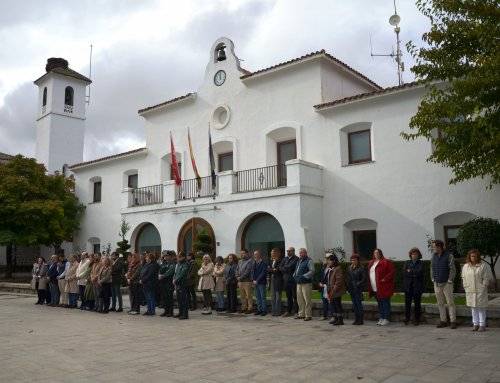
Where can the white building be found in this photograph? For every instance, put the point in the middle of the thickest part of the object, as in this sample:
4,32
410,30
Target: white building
308,154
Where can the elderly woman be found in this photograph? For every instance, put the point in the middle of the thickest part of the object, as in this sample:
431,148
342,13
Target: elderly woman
39,280
82,275
413,282
104,282
219,282
476,278
133,279
94,279
206,283
231,282
71,286
336,288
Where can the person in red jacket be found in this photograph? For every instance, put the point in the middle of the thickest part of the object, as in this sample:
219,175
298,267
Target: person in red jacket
381,278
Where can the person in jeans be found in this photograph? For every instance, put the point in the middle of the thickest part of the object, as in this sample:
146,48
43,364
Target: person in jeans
476,277
191,281
244,275
166,285
413,284
104,282
323,288
276,281
259,279
442,275
381,272
148,280
303,275
231,282
117,271
180,281
52,273
206,283
336,288
219,282
133,279
355,285
287,269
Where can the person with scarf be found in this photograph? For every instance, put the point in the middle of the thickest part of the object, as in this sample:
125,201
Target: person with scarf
133,279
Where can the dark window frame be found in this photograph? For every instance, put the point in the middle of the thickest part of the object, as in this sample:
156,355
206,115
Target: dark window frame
97,197
281,143
445,230
69,95
362,160
355,248
179,166
96,248
137,181
44,97
221,156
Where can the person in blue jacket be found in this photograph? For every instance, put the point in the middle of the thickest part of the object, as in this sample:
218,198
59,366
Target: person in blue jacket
260,282
52,273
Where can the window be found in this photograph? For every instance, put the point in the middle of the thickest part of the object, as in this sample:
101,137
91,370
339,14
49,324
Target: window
44,98
172,173
68,96
287,150
450,237
97,191
364,242
225,161
96,248
133,181
359,147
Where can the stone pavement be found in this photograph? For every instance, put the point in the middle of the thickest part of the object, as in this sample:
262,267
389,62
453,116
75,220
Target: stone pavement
43,344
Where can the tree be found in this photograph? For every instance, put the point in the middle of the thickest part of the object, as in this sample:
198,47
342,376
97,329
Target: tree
35,208
482,234
123,245
461,68
203,242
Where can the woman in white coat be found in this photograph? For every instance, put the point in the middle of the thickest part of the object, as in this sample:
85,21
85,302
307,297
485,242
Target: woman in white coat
476,278
206,283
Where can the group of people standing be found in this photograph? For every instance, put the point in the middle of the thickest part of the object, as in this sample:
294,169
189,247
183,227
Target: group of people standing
97,280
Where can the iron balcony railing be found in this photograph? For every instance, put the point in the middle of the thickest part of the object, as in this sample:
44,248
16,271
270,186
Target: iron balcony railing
188,189
148,195
269,177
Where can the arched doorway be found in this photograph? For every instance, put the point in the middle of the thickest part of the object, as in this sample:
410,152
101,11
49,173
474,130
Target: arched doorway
148,239
196,230
263,232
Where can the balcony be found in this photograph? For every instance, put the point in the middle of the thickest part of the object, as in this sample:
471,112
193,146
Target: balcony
68,108
296,177
189,189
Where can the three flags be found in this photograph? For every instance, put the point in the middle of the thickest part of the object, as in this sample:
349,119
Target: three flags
175,169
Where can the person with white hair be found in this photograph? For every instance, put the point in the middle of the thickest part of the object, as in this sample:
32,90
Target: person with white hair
303,275
206,283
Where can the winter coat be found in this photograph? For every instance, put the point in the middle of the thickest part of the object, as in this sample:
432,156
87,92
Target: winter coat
476,280
219,277
245,269
71,280
336,283
117,271
149,275
180,275
192,273
83,272
384,277
413,277
39,274
206,281
276,275
288,266
260,273
356,279
230,274
104,275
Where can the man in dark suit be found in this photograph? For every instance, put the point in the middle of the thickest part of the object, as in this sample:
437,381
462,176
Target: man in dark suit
287,267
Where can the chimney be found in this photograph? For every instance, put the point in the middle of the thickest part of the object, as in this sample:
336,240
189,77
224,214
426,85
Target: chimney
56,62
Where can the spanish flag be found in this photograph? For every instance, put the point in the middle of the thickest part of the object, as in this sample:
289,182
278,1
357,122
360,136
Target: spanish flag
193,162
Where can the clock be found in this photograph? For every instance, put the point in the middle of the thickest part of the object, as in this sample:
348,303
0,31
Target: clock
219,78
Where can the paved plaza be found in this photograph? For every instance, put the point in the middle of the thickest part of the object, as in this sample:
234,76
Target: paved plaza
43,344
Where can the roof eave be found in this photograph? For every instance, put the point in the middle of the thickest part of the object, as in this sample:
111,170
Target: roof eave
85,80
85,165
188,97
278,68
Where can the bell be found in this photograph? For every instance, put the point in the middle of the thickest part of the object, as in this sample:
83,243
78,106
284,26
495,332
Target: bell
221,54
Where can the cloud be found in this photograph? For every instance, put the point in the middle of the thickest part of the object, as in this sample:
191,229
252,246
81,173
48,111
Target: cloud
145,54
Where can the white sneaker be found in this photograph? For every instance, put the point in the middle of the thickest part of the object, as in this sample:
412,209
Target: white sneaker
379,323
384,322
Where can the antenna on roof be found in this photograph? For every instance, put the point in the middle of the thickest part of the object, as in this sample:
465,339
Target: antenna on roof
87,96
394,21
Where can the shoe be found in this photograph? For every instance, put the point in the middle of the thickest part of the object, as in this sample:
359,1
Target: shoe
406,322
416,322
176,316
112,309
257,313
379,322
307,319
164,314
119,310
298,317
475,328
324,318
442,324
105,312
340,321
355,323
482,329
263,314
284,315
453,325
206,313
384,322
248,312
333,321
182,318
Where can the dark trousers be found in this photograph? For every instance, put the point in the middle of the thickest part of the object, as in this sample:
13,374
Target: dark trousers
384,307
105,297
81,290
327,307
291,297
168,300
182,301
54,293
135,297
191,297
357,305
411,296
207,299
72,299
232,298
337,307
150,295
42,294
116,295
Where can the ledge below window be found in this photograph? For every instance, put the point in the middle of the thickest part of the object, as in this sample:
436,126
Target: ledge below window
358,163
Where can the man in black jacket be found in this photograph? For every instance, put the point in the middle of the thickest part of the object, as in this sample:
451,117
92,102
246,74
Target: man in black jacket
117,273
166,276
287,267
180,280
191,281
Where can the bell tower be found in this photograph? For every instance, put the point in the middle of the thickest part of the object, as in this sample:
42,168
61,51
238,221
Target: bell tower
60,124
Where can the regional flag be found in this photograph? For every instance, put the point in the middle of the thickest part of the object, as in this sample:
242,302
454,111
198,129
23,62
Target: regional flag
173,163
212,159
193,162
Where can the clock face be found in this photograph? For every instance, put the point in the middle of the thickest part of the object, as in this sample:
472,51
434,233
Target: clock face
219,78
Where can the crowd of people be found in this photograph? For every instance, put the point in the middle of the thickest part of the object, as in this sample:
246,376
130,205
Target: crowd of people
95,280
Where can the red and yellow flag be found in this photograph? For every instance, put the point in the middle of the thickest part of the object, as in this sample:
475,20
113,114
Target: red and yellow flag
193,162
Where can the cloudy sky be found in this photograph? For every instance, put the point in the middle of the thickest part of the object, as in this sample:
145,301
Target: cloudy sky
148,51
